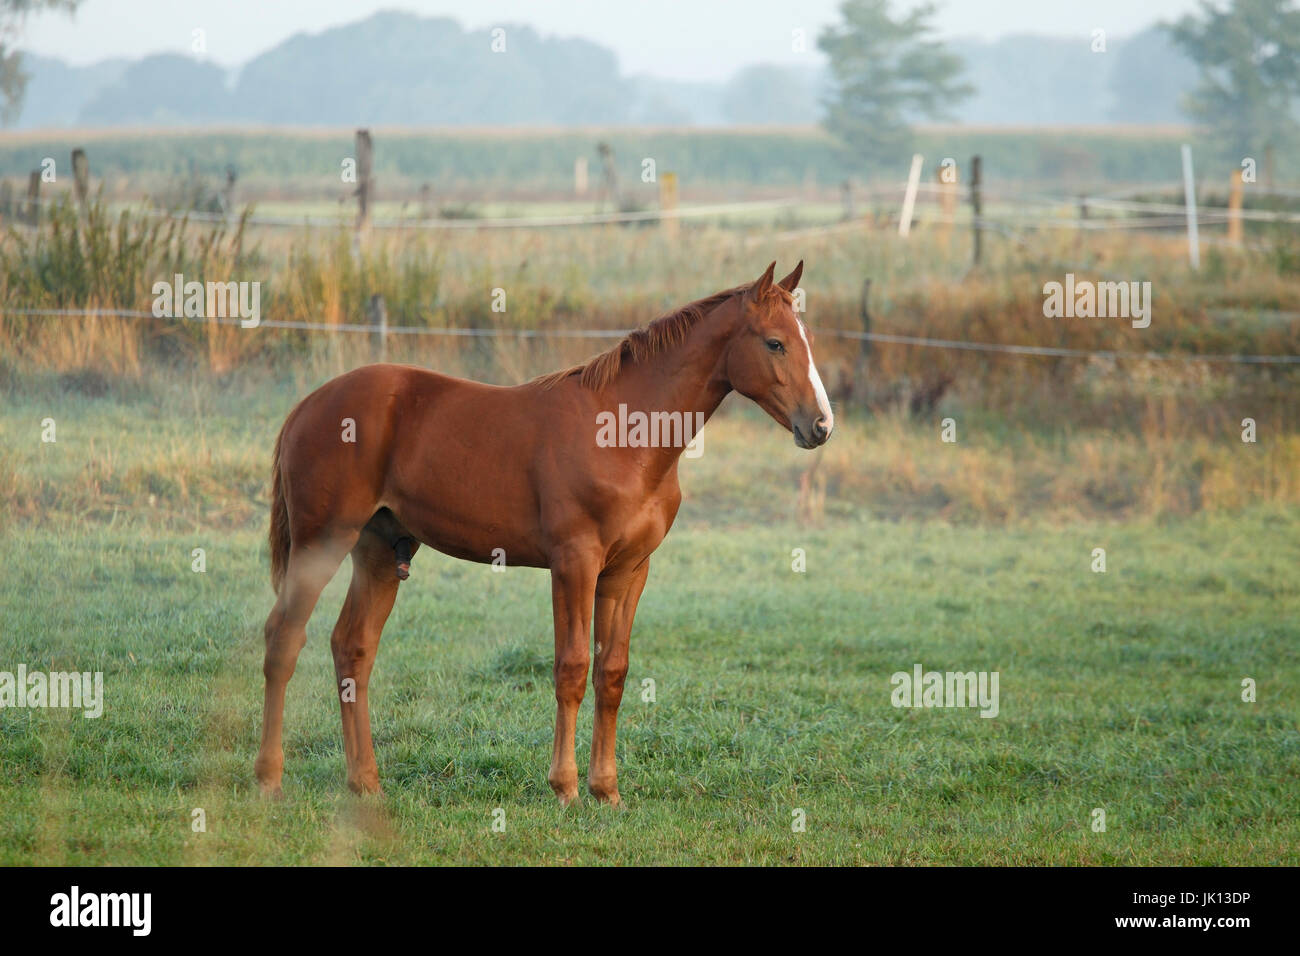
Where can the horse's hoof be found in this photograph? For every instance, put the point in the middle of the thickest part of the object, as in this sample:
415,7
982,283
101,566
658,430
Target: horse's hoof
271,791
365,787
566,798
605,793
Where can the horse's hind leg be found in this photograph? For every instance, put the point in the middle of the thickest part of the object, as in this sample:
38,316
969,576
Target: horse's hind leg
355,643
309,569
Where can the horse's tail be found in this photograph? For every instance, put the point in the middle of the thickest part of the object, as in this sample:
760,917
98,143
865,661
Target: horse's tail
279,537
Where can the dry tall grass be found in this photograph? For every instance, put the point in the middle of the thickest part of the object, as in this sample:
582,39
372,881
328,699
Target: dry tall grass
1057,434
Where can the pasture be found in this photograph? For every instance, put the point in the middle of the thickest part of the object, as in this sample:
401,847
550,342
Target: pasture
1119,691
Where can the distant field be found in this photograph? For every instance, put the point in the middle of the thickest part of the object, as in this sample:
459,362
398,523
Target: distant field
517,164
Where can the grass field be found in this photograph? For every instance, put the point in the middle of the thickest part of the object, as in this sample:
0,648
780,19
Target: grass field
1119,691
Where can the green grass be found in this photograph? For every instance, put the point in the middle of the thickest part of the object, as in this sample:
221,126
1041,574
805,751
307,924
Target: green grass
1118,690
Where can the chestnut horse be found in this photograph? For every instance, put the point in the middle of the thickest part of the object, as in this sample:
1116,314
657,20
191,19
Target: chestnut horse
385,458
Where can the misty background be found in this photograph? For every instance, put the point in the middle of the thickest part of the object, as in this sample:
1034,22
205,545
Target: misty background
377,71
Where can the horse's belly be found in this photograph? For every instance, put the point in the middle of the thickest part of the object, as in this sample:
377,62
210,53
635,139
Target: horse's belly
486,535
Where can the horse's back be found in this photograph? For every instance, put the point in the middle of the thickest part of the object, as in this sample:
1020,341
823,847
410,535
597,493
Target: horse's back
454,460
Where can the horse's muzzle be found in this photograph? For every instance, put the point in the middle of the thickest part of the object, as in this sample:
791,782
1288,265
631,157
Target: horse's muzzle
815,435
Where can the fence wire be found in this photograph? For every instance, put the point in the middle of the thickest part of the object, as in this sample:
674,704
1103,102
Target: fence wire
883,337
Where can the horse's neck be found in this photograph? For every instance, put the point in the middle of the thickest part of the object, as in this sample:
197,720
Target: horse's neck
687,378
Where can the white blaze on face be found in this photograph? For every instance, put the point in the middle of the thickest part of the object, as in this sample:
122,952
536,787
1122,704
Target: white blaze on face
823,403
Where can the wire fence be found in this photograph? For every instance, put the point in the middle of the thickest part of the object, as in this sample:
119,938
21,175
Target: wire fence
468,223
1141,214
882,337
1018,214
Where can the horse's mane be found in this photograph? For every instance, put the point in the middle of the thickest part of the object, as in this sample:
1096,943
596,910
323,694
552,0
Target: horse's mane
663,333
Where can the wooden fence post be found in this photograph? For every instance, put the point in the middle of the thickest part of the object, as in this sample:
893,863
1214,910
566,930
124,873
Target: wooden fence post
668,204
947,200
977,208
364,158
1189,201
6,201
846,197
860,382
609,183
909,197
580,176
378,316
1234,208
228,192
81,177
34,198
1083,221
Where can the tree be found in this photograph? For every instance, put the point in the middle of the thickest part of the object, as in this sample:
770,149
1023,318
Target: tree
13,81
770,94
886,73
1249,59
1148,77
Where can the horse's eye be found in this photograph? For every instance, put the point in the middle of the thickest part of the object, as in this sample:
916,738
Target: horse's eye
774,345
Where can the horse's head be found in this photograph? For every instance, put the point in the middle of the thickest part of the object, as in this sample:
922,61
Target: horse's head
770,360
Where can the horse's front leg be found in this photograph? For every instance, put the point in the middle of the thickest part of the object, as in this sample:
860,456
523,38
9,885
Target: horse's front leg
617,594
573,588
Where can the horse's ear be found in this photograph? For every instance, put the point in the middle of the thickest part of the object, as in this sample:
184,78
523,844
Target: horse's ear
790,282
764,284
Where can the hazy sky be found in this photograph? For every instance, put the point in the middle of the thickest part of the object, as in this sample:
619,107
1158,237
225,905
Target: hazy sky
681,39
